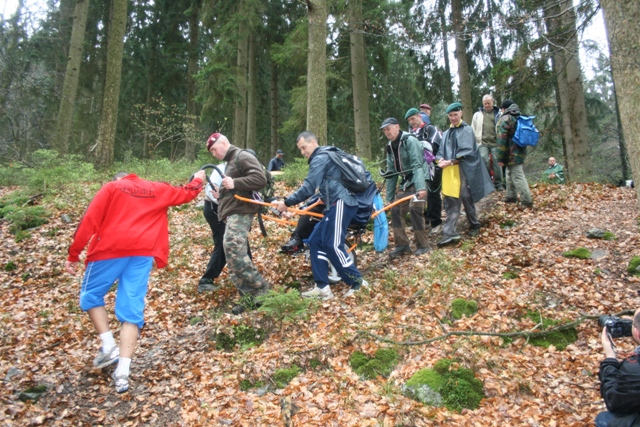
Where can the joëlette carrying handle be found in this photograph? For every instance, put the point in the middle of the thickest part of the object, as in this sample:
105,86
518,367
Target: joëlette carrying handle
210,166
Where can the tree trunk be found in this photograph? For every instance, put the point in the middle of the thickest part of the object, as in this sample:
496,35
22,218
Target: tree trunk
461,57
252,95
72,76
359,81
194,35
273,91
445,49
240,116
109,118
562,23
624,156
65,24
621,18
317,70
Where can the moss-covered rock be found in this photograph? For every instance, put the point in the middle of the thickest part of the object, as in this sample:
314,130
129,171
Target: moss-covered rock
634,263
582,253
381,364
456,388
282,377
559,339
461,307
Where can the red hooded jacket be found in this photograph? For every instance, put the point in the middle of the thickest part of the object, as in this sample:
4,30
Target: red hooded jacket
128,217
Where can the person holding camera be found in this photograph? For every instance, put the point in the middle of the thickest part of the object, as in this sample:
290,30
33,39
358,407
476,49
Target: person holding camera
620,380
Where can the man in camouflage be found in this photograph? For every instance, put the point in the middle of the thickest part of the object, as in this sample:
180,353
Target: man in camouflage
243,175
512,155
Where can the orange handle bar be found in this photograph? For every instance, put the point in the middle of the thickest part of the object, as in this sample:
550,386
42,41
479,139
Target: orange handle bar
389,206
294,210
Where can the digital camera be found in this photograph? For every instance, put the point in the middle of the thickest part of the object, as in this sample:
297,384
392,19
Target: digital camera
616,327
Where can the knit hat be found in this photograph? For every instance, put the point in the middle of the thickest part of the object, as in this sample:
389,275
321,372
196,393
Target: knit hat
389,121
411,112
212,139
456,106
506,104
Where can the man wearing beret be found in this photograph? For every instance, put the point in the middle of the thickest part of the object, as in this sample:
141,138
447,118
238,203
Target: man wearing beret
430,134
512,155
459,147
425,113
405,160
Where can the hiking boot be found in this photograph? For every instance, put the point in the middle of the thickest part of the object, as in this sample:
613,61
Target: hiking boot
121,382
527,205
421,251
241,307
206,285
322,293
238,309
474,231
449,239
436,230
400,250
294,244
509,200
351,292
106,359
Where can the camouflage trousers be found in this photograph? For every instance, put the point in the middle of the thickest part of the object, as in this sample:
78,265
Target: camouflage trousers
242,271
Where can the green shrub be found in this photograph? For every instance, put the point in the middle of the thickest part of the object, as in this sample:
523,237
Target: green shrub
23,218
634,263
282,377
455,388
582,253
284,306
461,307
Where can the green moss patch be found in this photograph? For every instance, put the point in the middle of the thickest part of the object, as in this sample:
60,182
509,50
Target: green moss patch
282,377
382,363
445,384
559,339
240,335
248,384
461,307
608,236
634,263
582,253
510,275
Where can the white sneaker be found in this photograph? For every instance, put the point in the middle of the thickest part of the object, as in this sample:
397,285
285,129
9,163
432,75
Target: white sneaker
322,293
106,359
351,292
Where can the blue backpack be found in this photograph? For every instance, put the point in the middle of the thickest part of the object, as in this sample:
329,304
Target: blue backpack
365,203
526,134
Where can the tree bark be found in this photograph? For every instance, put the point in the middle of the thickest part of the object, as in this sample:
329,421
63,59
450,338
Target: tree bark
240,116
72,76
273,91
317,70
445,49
621,19
463,62
252,94
194,36
359,81
65,25
109,118
561,21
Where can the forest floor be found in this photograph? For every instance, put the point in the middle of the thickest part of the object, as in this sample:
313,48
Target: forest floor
180,378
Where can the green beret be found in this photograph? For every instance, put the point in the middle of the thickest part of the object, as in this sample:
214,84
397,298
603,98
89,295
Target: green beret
456,106
411,112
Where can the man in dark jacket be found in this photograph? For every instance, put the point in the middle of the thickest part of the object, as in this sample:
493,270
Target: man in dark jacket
429,133
512,155
277,163
459,149
405,160
620,383
243,175
326,243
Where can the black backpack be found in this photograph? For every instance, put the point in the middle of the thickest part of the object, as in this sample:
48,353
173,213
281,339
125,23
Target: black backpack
353,172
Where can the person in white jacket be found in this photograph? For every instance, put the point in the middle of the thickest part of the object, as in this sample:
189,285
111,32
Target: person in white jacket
484,129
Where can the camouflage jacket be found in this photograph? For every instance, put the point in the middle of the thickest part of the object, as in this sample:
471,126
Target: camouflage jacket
509,153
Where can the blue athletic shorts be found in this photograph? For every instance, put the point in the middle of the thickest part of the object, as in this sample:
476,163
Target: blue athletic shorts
132,274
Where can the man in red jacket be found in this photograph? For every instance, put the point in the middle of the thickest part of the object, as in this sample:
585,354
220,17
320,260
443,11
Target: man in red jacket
127,228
